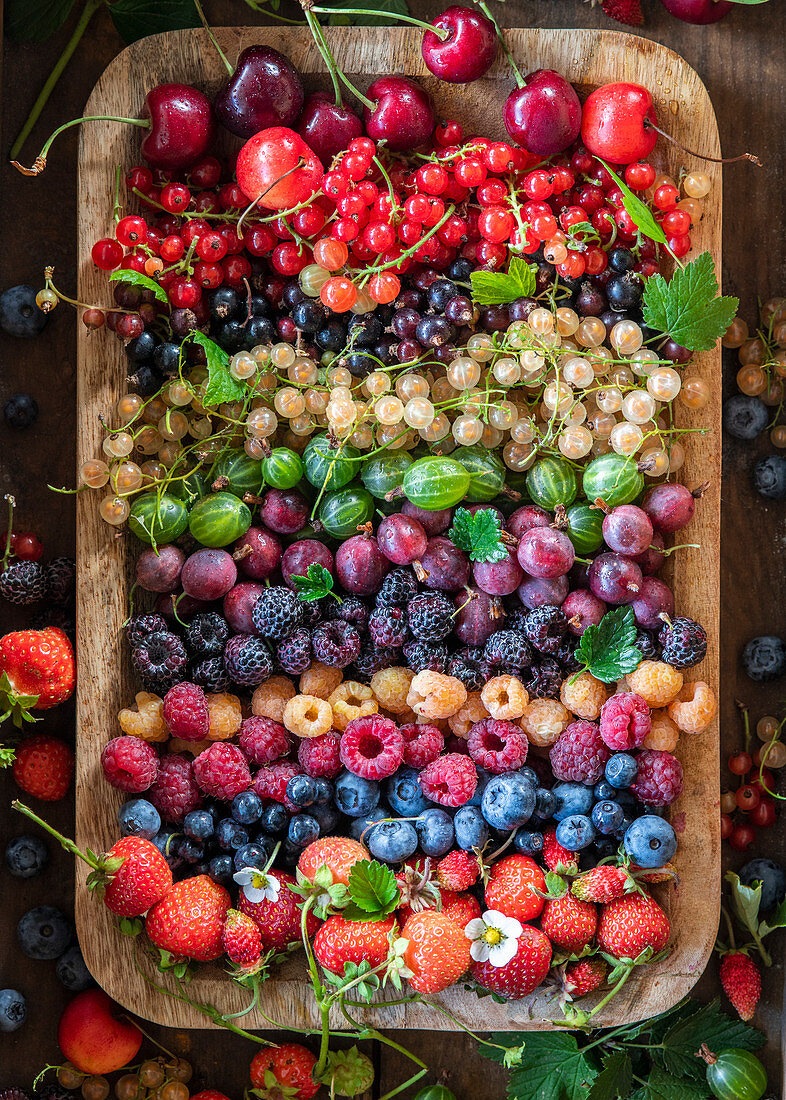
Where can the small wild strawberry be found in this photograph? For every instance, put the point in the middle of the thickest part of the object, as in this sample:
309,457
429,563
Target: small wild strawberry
741,982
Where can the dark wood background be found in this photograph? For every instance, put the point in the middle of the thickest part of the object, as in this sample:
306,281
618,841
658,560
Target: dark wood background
742,60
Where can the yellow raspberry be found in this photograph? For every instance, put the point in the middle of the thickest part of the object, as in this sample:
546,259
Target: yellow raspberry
351,700
694,708
474,710
307,716
147,721
226,716
193,748
391,687
656,682
543,721
664,735
406,718
505,697
584,696
433,695
270,698
320,680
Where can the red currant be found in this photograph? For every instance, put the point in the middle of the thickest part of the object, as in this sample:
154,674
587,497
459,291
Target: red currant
107,254
747,797
139,179
131,230
184,292
259,240
26,545
175,197
431,178
129,326
640,176
740,764
741,837
680,246
208,275
211,247
496,223
665,196
172,248
470,171
763,816
206,172
726,826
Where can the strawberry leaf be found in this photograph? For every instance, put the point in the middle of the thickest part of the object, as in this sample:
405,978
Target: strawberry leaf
373,891
638,210
614,1080
607,650
480,535
491,288
317,582
552,1066
677,1051
14,706
137,278
688,308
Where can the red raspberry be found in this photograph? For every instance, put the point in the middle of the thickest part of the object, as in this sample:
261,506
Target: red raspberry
372,747
44,767
659,778
271,782
497,745
175,792
130,764
263,740
454,743
320,756
625,721
457,871
579,755
186,713
449,780
422,744
222,771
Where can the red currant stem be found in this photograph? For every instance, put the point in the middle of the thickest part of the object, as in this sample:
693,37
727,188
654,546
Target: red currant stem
212,37
764,755
155,1042
39,163
9,532
649,125
746,728
516,71
366,273
82,305
391,192
116,207
441,32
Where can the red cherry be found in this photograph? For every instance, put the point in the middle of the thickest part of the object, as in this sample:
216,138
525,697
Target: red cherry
267,169
545,115
467,52
613,125
699,12
264,90
403,114
327,128
182,126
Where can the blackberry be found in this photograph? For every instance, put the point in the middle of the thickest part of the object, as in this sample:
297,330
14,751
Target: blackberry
277,613
398,588
210,674
335,643
516,619
60,580
388,626
352,610
468,666
314,611
247,660
544,679
684,642
294,653
420,655
430,616
566,655
207,634
371,660
648,644
140,626
23,582
544,627
160,658
508,647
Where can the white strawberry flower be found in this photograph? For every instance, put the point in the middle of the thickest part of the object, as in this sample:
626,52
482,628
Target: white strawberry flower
258,885
494,937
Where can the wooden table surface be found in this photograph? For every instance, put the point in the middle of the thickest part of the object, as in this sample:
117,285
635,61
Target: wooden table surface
741,60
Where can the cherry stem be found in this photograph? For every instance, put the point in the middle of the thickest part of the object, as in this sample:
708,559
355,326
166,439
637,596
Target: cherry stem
488,13
322,46
330,61
441,32
212,37
649,125
40,161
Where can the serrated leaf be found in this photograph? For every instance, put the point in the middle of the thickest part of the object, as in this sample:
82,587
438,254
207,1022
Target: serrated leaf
607,650
491,288
688,308
638,210
373,890
316,583
614,1080
677,1052
136,19
221,386
371,20
556,885
478,534
35,22
552,1067
138,278
663,1086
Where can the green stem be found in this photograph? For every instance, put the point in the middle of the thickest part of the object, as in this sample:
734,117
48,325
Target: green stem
516,71
324,1042
40,161
366,273
463,1027
7,552
327,57
729,926
441,32
212,37
89,10
372,1033
64,842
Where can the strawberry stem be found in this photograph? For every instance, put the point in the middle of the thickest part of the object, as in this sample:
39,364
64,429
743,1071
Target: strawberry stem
63,841
9,533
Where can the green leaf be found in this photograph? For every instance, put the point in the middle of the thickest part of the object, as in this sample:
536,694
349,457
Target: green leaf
480,535
221,386
556,886
552,1067
638,210
7,756
137,278
135,19
607,650
37,21
373,890
663,1086
317,583
746,901
382,6
491,288
777,920
677,1053
614,1080
688,308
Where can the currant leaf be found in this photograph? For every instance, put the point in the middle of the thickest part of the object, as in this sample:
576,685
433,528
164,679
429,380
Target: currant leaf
688,308
480,535
639,211
607,649
491,288
138,278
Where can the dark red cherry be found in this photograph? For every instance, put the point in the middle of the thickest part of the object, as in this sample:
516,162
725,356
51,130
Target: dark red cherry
264,90
545,115
181,129
327,128
403,114
467,52
698,11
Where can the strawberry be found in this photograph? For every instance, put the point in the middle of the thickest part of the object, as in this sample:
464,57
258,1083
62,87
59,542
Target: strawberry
284,1071
336,852
631,923
741,982
419,889
44,767
510,887
666,873
209,1094
340,941
457,871
190,919
438,951
461,908
583,977
278,921
602,884
624,11
556,857
569,923
242,939
36,672
525,971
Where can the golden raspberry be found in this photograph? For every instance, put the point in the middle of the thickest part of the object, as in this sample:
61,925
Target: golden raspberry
391,687
351,700
543,721
694,708
504,697
664,735
307,716
320,680
193,748
656,682
147,721
433,695
406,718
270,698
226,716
584,696
474,710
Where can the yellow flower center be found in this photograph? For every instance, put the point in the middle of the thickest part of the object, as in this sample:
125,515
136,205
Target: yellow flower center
492,936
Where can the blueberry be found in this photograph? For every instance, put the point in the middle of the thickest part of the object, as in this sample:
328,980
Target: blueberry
251,855
190,851
435,830
221,869
575,832
324,792
484,778
571,798
328,818
772,878
769,476
166,842
302,791
403,793
508,801
44,932
289,854
604,846
604,790
529,774
26,856
745,417
138,817
246,808
274,818
650,841
303,830
471,828
19,314
20,411
628,801
199,825
621,769
13,1009
229,835
359,825
392,841
71,970
545,804
764,658
607,816
530,844
354,796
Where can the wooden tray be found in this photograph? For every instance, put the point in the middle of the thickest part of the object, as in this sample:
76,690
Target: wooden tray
588,58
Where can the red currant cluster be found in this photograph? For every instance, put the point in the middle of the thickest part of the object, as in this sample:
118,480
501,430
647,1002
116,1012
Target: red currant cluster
753,802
